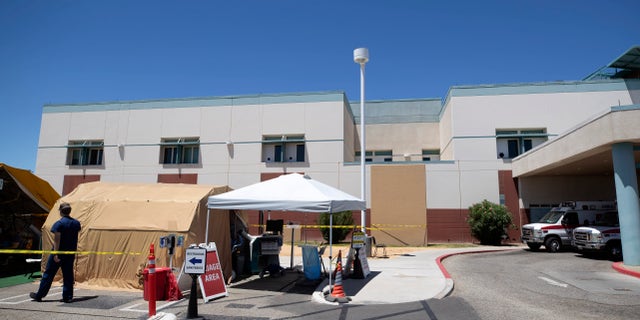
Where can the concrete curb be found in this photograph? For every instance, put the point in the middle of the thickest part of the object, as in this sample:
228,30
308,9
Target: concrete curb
319,296
619,266
163,316
449,285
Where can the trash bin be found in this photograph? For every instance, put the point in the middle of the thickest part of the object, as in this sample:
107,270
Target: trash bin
369,244
161,283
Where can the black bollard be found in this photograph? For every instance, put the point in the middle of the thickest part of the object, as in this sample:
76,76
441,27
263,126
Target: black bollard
358,273
192,311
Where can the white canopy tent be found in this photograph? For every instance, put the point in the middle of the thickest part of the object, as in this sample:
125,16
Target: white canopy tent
291,192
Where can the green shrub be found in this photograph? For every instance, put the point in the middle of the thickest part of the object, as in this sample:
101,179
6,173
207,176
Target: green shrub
488,222
344,218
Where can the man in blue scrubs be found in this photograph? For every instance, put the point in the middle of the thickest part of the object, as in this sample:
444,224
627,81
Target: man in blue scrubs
65,233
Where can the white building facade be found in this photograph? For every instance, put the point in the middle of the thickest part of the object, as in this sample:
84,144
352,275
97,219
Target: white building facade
428,160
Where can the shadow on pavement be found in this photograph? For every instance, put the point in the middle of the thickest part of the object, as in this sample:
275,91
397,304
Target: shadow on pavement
353,286
291,281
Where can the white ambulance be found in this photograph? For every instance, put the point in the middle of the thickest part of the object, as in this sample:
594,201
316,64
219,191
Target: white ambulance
603,236
555,228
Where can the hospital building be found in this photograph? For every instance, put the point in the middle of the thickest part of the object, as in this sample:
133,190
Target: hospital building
528,146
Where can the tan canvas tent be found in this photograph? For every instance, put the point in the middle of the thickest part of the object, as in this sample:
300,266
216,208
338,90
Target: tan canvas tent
23,192
25,201
120,221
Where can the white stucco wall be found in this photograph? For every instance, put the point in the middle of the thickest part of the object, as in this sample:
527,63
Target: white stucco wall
140,131
460,184
478,117
466,136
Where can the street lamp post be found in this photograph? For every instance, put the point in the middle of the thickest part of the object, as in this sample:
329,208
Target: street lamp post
361,57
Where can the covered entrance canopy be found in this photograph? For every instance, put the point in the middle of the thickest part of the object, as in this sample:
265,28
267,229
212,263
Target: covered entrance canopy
586,149
606,149
291,192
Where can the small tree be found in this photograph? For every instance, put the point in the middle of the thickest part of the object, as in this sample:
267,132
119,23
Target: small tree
488,222
344,218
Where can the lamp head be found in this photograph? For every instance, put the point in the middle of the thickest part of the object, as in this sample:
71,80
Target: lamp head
361,55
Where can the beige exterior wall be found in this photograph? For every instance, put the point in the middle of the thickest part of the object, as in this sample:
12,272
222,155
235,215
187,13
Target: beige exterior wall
405,140
398,205
351,139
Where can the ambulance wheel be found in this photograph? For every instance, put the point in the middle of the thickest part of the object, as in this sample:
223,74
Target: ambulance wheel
615,251
552,244
534,246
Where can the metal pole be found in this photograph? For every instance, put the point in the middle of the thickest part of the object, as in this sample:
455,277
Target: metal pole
292,236
330,247
363,152
206,231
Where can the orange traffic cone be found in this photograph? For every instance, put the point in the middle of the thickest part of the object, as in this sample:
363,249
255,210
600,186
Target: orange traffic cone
337,293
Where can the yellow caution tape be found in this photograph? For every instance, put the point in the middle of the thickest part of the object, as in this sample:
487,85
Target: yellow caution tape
18,251
401,225
374,227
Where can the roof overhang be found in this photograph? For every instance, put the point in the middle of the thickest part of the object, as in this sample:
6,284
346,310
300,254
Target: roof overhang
586,148
628,60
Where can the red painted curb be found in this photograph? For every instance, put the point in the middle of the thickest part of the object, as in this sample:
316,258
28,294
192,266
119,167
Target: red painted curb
444,271
618,267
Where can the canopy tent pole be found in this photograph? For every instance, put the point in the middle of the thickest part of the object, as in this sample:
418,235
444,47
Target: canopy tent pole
330,246
206,232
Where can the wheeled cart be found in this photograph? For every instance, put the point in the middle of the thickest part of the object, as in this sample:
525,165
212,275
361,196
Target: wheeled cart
265,255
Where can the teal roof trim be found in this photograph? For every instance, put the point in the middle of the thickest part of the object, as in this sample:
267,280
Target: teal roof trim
626,108
198,102
399,111
536,88
632,84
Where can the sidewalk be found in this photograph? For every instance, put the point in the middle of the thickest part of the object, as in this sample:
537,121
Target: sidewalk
405,278
414,277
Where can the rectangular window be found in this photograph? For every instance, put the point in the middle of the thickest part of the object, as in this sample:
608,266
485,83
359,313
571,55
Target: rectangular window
528,144
170,155
511,143
85,152
300,152
277,153
283,148
430,154
376,156
180,150
368,156
512,146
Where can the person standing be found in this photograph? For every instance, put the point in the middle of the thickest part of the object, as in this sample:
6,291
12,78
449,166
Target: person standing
65,233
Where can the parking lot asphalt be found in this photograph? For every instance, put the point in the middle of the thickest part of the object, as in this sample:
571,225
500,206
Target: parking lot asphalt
402,278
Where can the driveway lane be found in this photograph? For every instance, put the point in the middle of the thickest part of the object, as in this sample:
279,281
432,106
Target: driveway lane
522,284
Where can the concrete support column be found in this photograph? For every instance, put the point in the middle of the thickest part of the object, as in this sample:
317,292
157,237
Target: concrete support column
626,181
